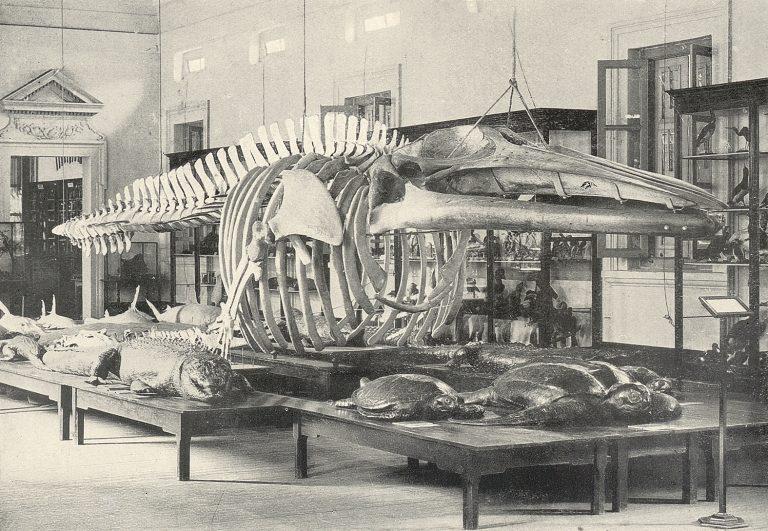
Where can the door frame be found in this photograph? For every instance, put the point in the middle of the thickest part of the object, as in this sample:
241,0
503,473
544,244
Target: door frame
94,178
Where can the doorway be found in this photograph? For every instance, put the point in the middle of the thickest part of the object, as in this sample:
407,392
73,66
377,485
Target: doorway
38,265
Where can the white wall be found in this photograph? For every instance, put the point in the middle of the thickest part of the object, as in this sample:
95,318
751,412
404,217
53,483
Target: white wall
115,59
111,49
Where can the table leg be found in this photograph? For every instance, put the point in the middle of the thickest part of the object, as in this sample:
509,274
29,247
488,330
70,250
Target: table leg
183,443
690,464
79,427
620,469
65,411
598,477
300,441
471,500
710,463
413,464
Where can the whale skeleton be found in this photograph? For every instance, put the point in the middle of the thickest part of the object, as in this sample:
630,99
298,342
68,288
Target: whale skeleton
320,199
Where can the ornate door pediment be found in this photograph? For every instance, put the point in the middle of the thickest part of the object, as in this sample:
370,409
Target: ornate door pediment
50,108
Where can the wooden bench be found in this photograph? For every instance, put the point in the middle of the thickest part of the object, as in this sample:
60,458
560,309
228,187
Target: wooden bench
475,451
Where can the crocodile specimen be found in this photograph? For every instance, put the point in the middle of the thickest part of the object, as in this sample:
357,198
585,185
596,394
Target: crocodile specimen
166,367
321,200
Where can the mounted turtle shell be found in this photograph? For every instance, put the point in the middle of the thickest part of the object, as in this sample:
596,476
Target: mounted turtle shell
537,383
408,397
650,378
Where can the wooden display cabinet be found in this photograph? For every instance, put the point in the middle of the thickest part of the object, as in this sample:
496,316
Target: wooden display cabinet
500,263
720,148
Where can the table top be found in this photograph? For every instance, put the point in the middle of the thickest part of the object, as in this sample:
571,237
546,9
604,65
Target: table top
118,390
700,414
24,368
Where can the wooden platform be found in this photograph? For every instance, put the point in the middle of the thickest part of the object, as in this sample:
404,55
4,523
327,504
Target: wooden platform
475,451
320,379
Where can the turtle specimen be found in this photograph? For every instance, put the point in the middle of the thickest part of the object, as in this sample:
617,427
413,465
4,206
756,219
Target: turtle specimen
649,378
555,392
498,358
408,397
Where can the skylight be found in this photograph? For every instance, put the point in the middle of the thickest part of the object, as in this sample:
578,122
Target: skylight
380,22
196,65
274,46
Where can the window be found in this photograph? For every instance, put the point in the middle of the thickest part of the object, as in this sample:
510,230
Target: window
379,22
187,62
196,65
266,43
274,46
189,136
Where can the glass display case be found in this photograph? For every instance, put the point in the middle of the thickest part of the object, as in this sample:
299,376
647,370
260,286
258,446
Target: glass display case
123,272
720,149
195,266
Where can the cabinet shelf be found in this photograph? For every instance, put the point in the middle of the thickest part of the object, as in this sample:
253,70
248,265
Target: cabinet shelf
708,113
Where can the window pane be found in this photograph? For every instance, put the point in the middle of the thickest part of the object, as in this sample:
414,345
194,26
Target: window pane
622,96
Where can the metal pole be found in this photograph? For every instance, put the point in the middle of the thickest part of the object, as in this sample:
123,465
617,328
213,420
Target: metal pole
721,519
723,427
490,278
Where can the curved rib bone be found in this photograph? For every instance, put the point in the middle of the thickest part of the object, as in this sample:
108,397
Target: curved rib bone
318,275
282,286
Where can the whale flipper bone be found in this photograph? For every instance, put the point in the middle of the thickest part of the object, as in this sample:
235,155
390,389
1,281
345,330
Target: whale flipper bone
307,210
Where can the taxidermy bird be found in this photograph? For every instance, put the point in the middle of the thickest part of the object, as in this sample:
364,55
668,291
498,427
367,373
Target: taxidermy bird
741,190
712,355
743,132
707,131
717,245
738,337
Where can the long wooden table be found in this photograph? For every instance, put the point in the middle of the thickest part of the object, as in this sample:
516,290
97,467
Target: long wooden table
475,451
56,386
183,418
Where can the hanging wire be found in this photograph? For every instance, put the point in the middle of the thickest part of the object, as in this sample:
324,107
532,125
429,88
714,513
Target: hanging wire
525,80
304,56
509,87
664,80
160,99
514,63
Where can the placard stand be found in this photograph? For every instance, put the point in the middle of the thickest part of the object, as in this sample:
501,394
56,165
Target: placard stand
722,307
